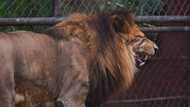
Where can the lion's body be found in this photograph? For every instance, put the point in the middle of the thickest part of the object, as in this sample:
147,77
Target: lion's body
111,64
36,65
25,57
80,60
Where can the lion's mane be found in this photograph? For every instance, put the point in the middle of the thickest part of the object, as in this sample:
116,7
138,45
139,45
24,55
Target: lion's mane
111,64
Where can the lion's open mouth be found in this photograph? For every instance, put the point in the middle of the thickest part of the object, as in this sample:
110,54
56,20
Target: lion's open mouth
141,59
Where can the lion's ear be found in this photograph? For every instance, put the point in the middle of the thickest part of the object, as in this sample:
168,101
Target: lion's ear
131,18
123,23
117,23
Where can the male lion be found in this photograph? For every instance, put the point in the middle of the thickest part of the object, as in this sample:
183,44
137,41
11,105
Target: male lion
77,63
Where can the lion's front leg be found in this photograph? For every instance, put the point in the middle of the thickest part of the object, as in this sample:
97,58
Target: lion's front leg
74,97
73,75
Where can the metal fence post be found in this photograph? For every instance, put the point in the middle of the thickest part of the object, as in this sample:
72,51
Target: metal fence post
188,80
56,8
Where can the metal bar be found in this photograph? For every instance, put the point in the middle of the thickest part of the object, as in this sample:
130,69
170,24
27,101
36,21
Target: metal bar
188,79
56,8
148,99
30,20
52,20
163,18
167,29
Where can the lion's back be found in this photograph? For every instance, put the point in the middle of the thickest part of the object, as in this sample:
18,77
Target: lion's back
28,58
31,53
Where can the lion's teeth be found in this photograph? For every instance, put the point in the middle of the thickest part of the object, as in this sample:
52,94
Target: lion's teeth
142,63
146,57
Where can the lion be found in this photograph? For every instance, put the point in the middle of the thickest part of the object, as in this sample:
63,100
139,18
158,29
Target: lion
78,62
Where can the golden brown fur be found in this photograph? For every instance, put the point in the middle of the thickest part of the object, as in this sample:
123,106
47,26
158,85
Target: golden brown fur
82,59
106,47
111,63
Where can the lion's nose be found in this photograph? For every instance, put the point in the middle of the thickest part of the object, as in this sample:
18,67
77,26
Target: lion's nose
151,51
155,48
59,103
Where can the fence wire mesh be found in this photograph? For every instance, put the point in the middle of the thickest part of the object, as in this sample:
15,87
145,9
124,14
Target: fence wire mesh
163,81
12,8
142,7
45,8
48,8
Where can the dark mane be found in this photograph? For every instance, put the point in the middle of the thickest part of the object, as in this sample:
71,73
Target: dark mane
111,65
79,62
104,24
109,69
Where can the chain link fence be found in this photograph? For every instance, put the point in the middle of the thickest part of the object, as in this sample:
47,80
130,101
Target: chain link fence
163,81
141,7
41,8
52,8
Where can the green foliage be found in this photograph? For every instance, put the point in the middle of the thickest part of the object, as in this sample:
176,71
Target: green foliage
39,8
141,7
24,8
114,4
12,8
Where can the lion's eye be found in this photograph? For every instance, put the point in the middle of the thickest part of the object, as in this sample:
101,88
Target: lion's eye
137,40
139,36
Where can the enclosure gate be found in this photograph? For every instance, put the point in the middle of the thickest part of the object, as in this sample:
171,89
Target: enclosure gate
164,81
